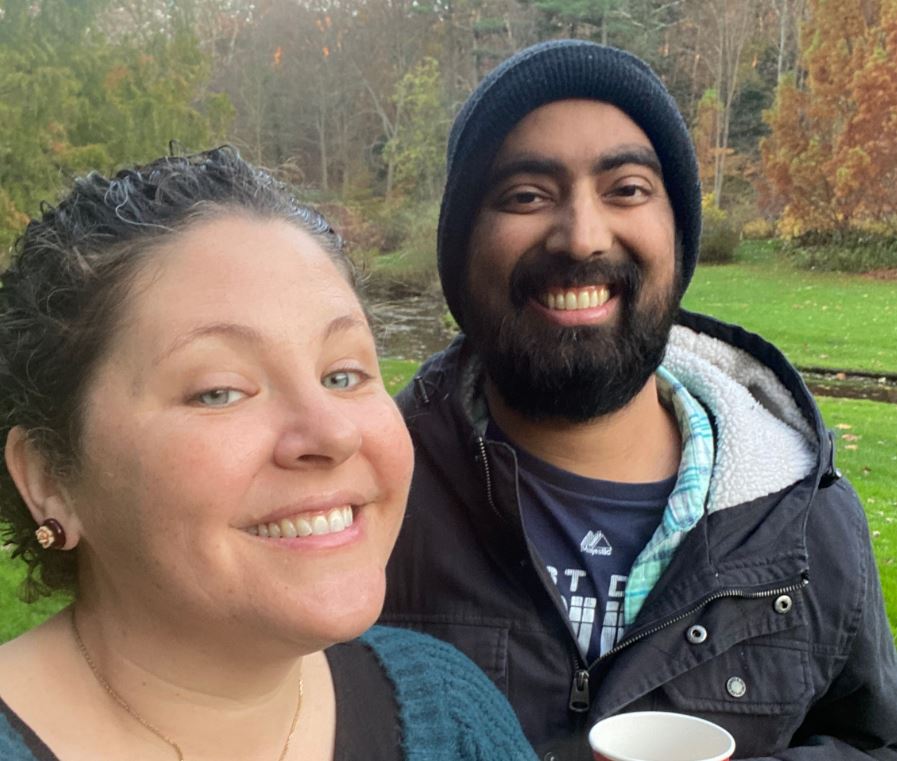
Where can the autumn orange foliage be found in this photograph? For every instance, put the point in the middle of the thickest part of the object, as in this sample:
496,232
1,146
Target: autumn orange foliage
831,157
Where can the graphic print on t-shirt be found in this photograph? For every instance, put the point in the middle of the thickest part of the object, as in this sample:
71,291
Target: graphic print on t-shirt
595,543
582,608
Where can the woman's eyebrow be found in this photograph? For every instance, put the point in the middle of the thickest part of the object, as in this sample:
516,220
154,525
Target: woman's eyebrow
249,335
343,323
229,329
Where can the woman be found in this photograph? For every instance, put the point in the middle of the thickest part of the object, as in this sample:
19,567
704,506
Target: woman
199,446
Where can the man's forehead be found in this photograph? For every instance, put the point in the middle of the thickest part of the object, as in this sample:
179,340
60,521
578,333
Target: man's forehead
578,116
567,130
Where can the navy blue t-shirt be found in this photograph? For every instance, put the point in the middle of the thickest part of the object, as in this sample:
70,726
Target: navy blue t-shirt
588,533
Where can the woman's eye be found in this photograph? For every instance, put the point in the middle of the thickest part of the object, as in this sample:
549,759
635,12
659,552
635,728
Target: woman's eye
219,397
342,379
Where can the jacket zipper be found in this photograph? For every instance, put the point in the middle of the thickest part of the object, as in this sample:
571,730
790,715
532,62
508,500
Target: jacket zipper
579,690
481,443
740,593
580,697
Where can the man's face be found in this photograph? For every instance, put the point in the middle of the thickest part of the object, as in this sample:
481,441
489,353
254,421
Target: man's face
572,274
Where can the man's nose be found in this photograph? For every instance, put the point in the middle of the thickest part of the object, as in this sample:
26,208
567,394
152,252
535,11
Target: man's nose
318,433
582,228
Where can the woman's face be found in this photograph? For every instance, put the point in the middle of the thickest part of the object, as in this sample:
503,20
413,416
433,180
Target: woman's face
240,398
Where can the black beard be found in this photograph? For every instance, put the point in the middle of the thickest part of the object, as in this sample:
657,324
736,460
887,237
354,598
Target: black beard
543,370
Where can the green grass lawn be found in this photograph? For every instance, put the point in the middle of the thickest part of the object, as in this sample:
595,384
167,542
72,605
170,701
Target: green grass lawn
818,319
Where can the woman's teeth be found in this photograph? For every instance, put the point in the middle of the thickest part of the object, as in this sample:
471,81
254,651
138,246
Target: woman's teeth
331,522
576,298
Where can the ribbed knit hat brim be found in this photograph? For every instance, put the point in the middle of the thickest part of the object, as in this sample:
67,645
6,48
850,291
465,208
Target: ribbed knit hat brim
544,73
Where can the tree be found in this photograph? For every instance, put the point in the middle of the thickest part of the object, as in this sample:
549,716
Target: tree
418,144
829,137
74,100
729,28
867,151
575,14
704,134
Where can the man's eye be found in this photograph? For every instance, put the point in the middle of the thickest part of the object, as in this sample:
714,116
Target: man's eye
342,379
521,200
219,397
631,191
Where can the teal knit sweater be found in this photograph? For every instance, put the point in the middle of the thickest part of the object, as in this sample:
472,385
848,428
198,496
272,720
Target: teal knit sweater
448,709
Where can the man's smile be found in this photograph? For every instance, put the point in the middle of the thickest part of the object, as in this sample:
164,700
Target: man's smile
584,297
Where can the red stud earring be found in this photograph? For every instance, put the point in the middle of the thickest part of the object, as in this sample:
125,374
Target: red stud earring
50,534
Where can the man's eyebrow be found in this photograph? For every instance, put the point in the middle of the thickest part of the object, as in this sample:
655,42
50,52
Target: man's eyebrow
526,165
630,154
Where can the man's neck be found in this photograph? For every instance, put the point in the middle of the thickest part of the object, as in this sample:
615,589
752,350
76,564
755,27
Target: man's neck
638,443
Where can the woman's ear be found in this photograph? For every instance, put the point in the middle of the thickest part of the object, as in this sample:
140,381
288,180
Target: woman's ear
44,493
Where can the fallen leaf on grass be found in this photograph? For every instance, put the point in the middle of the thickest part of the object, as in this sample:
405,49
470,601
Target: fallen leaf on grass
851,446
850,437
844,426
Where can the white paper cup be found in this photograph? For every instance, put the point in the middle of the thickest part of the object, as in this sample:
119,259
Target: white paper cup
659,736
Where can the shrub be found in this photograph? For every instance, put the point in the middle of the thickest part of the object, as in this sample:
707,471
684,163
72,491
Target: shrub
363,237
412,265
758,229
844,251
719,238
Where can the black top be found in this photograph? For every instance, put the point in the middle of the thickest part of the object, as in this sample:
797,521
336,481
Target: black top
367,716
367,723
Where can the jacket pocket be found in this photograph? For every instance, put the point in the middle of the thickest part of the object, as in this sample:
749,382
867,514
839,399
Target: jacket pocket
760,692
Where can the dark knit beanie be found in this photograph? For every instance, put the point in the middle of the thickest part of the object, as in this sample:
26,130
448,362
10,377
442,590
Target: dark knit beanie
543,73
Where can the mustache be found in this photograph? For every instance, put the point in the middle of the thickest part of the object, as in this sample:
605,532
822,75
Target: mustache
533,274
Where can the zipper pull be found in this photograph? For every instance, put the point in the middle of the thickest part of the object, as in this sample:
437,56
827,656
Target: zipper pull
579,691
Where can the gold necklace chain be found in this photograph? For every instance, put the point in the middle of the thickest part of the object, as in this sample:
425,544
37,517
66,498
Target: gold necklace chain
146,725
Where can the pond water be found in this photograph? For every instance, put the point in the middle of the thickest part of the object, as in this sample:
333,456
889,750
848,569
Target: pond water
412,326
852,386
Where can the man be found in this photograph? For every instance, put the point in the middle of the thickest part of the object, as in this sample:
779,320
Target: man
617,505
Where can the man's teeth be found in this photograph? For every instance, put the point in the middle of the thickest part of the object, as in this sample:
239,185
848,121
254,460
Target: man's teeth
331,522
576,298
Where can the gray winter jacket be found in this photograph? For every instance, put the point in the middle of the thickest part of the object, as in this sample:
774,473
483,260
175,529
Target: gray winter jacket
769,619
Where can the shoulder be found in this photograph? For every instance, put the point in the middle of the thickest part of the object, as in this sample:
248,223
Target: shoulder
841,562
837,527
448,706
433,380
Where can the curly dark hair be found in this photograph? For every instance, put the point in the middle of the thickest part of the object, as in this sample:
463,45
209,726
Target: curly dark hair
70,275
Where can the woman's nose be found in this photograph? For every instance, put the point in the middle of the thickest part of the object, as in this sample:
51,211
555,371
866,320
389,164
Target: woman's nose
319,435
582,228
